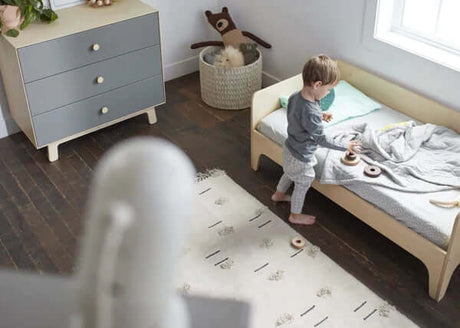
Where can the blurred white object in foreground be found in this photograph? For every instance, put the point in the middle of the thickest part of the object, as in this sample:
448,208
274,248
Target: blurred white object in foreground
139,202
137,206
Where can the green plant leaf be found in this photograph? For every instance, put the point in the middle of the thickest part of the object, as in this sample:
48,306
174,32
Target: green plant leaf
48,15
28,19
13,33
31,10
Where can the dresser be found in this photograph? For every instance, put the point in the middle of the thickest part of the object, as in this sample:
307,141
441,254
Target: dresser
91,68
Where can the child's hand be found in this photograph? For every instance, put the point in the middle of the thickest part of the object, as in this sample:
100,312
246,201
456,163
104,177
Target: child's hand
354,146
327,117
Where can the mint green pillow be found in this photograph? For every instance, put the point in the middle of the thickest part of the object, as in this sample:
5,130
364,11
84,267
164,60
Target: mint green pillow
348,102
327,101
324,103
284,101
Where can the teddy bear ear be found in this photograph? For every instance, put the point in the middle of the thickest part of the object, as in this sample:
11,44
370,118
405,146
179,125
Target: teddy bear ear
208,13
225,10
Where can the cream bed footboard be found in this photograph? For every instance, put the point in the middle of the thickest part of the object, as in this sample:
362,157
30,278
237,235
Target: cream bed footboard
440,263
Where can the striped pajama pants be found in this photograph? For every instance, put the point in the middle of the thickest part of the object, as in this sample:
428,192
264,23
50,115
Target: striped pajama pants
301,173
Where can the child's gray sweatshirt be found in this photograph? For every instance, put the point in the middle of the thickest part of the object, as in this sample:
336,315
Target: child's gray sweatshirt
305,129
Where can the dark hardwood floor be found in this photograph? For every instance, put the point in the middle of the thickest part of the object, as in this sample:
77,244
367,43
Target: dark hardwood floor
41,203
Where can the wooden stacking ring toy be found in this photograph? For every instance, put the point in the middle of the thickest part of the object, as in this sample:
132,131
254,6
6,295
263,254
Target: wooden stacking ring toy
372,171
298,242
349,158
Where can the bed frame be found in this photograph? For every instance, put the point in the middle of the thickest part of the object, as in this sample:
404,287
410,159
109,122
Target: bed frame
441,263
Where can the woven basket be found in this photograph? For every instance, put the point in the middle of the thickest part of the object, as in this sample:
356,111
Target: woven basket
229,88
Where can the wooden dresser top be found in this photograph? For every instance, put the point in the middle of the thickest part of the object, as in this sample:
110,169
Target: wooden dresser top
77,19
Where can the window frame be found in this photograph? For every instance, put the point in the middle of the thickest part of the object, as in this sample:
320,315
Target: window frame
383,26
398,27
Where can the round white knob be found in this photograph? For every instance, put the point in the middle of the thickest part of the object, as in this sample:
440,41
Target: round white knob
96,47
100,3
104,110
99,79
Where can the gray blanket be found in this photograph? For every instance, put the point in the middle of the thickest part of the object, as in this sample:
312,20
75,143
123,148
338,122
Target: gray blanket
413,158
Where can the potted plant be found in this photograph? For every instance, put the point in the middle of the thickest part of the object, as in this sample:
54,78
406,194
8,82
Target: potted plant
16,14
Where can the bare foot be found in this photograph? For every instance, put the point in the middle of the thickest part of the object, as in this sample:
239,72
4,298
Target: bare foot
304,219
278,196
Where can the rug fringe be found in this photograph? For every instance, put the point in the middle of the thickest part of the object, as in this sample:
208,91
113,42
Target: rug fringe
200,176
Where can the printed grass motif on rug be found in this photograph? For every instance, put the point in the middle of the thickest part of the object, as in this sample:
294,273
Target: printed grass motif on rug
238,249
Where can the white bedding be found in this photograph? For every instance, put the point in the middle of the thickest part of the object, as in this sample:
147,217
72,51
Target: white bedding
414,210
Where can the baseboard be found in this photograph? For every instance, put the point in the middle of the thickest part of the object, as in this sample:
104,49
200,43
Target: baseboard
268,79
190,65
8,127
181,68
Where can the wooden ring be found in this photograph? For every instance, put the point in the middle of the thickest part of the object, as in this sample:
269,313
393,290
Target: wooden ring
350,159
298,242
372,171
350,156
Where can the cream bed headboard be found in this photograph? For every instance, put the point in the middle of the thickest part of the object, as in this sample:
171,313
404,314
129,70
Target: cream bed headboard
385,92
400,99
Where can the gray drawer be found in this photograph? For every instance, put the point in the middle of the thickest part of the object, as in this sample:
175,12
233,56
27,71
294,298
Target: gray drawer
77,117
59,55
72,86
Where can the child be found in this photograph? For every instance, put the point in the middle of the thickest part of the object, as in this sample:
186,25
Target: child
305,133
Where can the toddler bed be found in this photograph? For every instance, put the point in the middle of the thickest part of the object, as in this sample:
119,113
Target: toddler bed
431,234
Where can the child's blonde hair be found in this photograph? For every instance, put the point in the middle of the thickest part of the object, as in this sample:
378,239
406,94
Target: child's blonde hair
320,68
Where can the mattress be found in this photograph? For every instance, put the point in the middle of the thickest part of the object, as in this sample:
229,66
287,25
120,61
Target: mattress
411,209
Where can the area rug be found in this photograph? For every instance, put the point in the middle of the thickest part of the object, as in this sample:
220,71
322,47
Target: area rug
238,249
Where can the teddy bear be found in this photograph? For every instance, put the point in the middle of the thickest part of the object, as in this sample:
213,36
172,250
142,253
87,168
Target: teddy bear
231,36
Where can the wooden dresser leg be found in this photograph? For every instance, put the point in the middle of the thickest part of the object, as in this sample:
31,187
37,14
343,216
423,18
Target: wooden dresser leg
152,116
53,152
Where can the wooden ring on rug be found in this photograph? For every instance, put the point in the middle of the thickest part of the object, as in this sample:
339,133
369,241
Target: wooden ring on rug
372,171
298,242
350,159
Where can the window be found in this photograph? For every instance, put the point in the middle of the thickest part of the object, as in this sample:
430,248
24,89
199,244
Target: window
428,28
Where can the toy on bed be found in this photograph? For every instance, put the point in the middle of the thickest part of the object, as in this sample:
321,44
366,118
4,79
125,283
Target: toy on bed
350,159
448,204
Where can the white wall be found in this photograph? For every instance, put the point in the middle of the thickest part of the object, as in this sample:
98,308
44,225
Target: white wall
298,29
182,22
